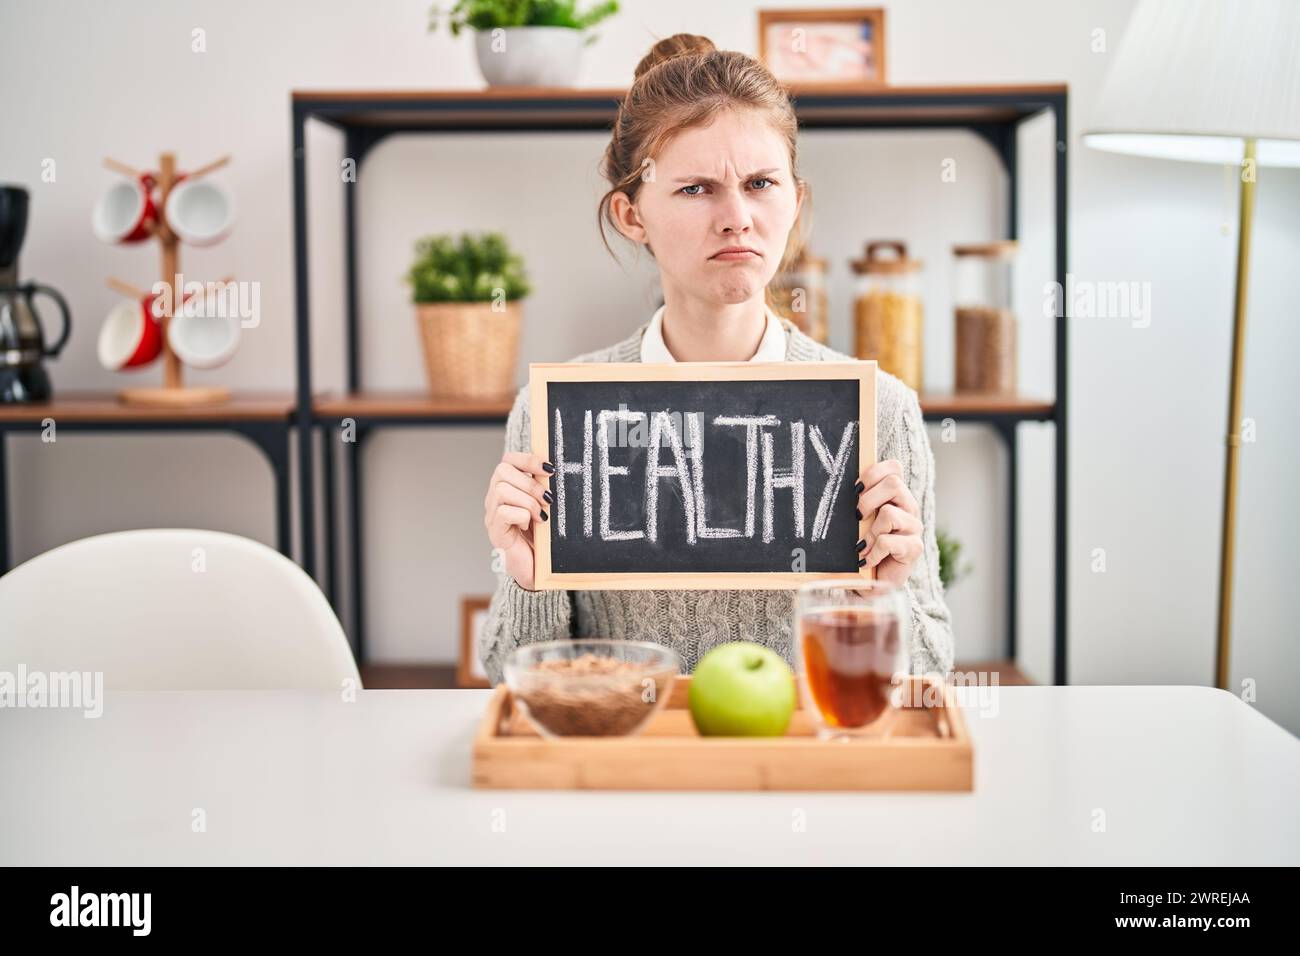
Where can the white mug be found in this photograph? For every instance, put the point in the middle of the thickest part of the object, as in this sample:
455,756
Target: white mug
126,213
203,332
199,212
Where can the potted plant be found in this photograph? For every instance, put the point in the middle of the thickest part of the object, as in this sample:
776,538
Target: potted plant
467,295
525,42
949,553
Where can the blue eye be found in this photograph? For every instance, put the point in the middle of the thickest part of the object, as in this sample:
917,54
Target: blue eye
761,179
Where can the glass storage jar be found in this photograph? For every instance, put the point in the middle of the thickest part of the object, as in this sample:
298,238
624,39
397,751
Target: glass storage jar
986,324
799,294
887,309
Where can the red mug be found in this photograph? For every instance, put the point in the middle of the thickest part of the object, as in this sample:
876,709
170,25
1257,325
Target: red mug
131,336
127,212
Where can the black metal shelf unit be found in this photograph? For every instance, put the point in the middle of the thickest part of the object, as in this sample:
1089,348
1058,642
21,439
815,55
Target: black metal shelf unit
261,419
365,118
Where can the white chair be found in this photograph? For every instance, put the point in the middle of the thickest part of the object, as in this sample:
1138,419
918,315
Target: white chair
173,609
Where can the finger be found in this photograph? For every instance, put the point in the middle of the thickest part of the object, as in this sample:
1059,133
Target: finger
893,518
891,488
527,461
506,474
512,496
887,466
902,547
509,522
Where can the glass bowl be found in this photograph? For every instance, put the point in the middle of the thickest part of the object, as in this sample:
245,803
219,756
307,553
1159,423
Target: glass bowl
589,687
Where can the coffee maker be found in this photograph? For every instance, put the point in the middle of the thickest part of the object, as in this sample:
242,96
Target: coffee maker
22,341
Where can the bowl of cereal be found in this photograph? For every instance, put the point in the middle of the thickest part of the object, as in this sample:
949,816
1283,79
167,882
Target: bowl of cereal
591,688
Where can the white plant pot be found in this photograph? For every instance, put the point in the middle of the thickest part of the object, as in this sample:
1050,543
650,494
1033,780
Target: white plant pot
529,56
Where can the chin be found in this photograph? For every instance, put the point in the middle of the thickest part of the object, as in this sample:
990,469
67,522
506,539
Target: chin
737,287
733,293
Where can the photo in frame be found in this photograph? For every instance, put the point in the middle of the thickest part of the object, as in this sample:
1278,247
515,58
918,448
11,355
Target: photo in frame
840,48
473,615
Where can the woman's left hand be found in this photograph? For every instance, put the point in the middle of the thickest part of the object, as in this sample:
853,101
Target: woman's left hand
893,541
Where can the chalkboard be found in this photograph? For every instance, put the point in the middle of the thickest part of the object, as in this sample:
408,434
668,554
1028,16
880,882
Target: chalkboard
701,474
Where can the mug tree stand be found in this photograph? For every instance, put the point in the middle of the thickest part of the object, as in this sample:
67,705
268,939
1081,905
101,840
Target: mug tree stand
172,393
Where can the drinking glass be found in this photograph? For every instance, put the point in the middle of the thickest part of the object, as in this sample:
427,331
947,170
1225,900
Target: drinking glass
851,646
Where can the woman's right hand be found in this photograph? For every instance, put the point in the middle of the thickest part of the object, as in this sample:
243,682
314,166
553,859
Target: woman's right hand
516,498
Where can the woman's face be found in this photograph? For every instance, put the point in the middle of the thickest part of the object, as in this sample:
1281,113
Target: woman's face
714,187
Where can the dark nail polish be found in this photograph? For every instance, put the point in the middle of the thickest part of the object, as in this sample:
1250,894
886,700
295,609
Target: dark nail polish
548,468
548,497
858,512
861,561
543,515
859,487
862,544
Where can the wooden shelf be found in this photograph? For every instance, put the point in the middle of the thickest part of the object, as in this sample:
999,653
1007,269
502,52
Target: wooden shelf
594,108
944,405
417,406
408,676
1009,674
105,407
499,93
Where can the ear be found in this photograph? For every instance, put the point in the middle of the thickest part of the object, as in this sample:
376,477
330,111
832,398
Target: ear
625,217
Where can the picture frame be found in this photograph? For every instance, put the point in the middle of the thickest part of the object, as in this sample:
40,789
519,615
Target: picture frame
841,49
473,613
863,374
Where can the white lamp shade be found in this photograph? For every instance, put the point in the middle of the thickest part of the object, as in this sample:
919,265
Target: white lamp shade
1192,79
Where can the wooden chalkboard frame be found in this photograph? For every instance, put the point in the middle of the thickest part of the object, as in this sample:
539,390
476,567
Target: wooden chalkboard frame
540,374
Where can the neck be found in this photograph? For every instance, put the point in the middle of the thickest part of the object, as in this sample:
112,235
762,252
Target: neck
704,332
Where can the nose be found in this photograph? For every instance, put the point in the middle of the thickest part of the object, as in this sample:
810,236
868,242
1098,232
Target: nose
733,212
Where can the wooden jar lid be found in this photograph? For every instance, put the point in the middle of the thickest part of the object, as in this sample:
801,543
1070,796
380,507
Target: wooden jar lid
998,249
874,263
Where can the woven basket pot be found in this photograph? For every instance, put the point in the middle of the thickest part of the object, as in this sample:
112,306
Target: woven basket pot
470,349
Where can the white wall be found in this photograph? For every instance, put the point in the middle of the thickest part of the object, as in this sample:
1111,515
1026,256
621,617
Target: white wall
1147,404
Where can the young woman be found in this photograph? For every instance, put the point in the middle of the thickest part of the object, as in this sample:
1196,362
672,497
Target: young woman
702,167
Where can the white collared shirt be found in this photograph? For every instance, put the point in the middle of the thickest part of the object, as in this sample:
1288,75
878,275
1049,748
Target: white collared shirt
771,348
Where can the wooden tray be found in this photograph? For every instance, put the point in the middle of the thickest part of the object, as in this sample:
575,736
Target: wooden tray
929,749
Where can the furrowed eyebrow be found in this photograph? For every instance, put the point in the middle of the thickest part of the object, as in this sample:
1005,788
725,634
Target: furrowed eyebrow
706,181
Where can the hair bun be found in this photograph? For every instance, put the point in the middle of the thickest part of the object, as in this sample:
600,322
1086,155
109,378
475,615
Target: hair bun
679,44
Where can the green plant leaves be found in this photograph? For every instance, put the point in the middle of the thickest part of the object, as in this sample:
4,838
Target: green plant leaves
470,268
950,570
490,14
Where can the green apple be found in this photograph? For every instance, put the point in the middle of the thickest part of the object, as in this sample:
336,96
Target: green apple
742,689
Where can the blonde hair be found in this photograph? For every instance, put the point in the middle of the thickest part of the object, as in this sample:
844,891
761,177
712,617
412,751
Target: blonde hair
684,82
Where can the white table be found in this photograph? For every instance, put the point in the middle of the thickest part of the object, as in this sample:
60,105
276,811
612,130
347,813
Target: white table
1183,775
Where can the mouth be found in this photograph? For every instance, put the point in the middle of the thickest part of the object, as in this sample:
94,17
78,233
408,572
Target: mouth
735,254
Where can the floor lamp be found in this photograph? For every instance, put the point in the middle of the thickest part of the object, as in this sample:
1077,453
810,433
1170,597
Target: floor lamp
1210,81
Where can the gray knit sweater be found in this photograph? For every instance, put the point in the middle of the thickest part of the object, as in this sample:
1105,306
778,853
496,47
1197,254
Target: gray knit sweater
692,622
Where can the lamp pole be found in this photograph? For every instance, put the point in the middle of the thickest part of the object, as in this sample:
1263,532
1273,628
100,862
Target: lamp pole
1245,215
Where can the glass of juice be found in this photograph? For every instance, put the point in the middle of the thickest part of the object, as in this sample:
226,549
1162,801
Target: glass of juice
851,646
